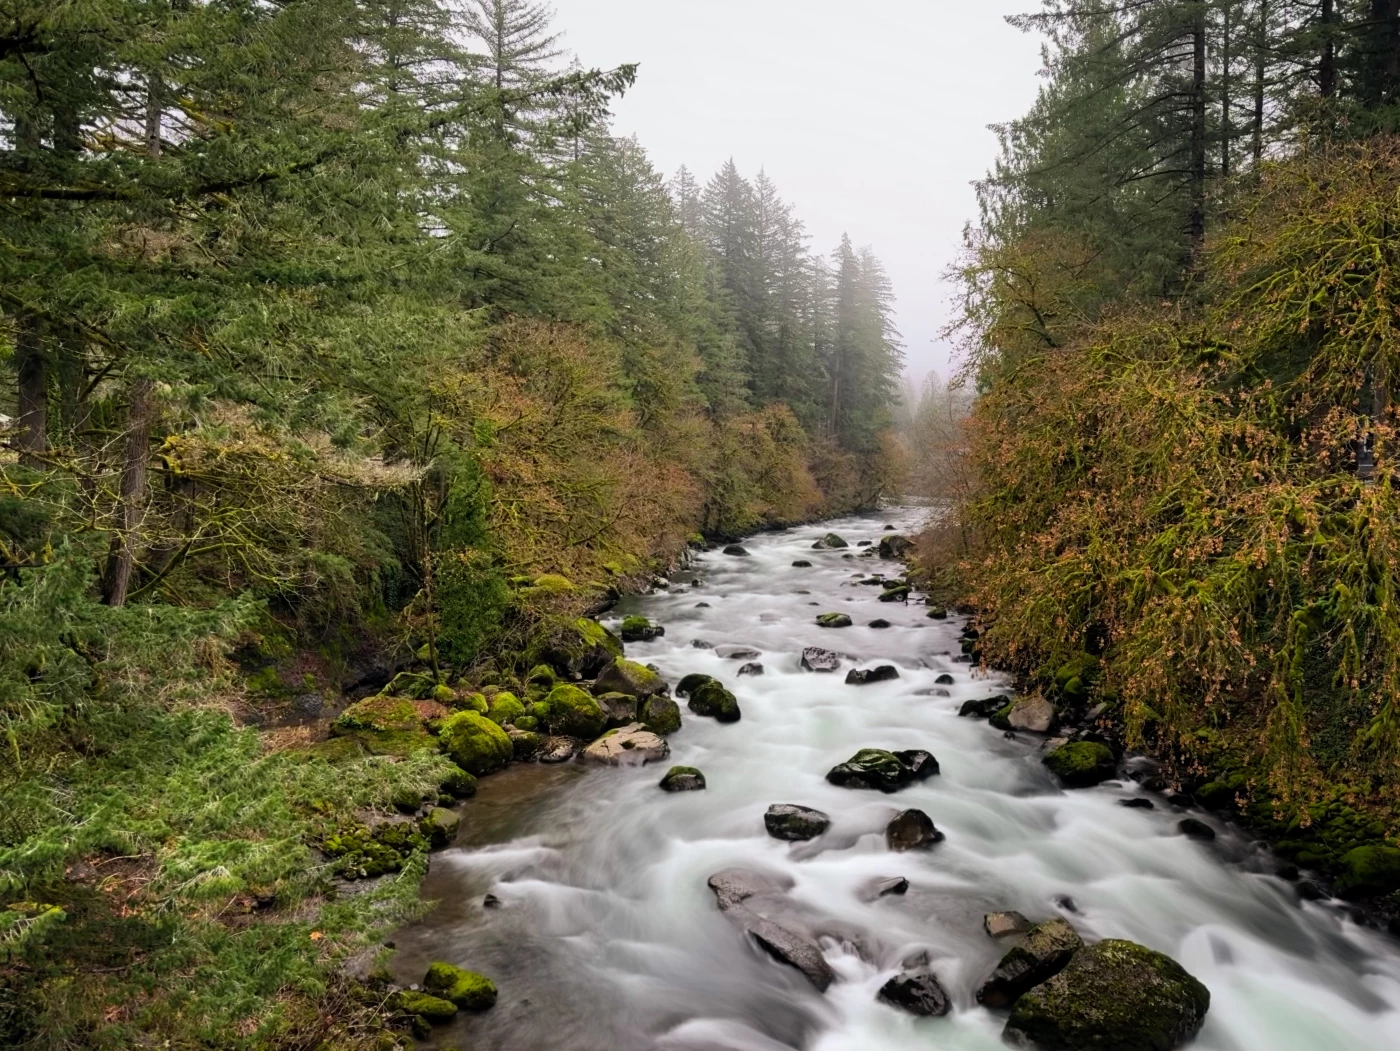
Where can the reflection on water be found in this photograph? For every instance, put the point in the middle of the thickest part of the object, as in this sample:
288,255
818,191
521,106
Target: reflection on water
608,937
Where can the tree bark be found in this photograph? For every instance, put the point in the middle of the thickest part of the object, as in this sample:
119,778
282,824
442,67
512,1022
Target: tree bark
1197,221
32,383
1261,63
1225,91
132,497
1327,65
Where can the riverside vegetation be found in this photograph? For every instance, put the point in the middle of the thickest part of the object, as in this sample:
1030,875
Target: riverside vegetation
351,359
1180,307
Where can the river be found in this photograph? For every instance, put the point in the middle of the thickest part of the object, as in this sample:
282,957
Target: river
607,935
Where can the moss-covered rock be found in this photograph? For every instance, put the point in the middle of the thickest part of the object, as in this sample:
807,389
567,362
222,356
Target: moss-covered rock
833,620
527,744
541,675
619,709
575,649
467,989
687,685
475,743
440,826
424,1005
1112,996
831,541
505,709
459,784
629,677
385,713
415,685
898,593
1045,951
895,546
570,712
529,723
364,852
1369,871
639,629
713,700
886,771
683,779
660,715
1082,764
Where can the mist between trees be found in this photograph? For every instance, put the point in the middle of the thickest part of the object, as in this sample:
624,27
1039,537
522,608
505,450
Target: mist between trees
336,329
1179,312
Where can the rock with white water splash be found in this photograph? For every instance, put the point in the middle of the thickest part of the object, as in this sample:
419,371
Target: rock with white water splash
831,541
753,668
1112,996
911,830
1005,924
795,823
886,771
738,653
833,620
630,746
865,676
814,658
683,779
737,550
1044,952
754,901
916,990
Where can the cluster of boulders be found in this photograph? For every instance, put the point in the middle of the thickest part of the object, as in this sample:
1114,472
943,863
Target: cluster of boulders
445,990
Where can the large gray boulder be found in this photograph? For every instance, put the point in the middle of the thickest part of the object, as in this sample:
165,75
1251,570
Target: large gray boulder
886,771
754,902
1032,713
630,746
1044,952
1112,996
795,823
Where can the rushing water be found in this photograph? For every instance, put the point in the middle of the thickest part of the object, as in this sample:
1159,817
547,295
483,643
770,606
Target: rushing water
608,937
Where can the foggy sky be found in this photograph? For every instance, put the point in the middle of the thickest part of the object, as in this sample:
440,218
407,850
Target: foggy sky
870,117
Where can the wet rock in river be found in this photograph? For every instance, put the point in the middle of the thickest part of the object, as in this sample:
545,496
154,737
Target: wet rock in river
753,668
916,990
863,677
683,779
639,629
619,709
738,653
937,613
688,684
795,823
559,749
984,707
1046,950
899,593
814,658
526,744
737,550
1116,996
1081,764
1137,803
880,623
1193,829
1031,712
892,885
886,771
701,644
711,699
624,676
1005,924
944,680
830,542
912,830
802,563
630,746
895,546
750,899
833,620
468,990
660,715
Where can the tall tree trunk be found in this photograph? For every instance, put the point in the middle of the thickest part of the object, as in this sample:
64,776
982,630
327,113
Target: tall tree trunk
1327,65
1225,90
1197,222
32,382
1261,65
154,115
132,498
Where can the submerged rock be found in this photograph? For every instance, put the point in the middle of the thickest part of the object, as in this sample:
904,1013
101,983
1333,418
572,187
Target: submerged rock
1005,924
683,779
802,563
892,885
713,700
1046,950
814,658
753,668
880,622
630,746
745,896
886,771
911,830
737,550
795,823
884,673
833,620
1137,803
738,653
1113,996
1193,829
1081,764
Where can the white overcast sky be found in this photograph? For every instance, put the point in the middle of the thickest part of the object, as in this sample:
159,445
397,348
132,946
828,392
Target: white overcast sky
870,117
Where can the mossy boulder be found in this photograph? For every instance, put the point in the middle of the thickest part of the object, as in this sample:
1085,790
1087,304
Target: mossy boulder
629,677
660,715
689,683
898,593
540,675
711,699
683,779
639,629
467,989
619,709
1112,996
475,743
505,709
424,1005
459,784
473,702
527,722
364,852
895,546
552,584
1082,764
1369,871
832,541
575,649
1045,951
526,744
440,826
415,685
886,771
833,620
1075,678
384,713
570,712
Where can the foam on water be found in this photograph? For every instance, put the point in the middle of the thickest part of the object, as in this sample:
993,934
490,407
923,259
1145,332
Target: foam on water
607,935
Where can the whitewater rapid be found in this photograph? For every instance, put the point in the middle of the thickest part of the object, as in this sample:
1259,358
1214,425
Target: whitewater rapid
607,936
